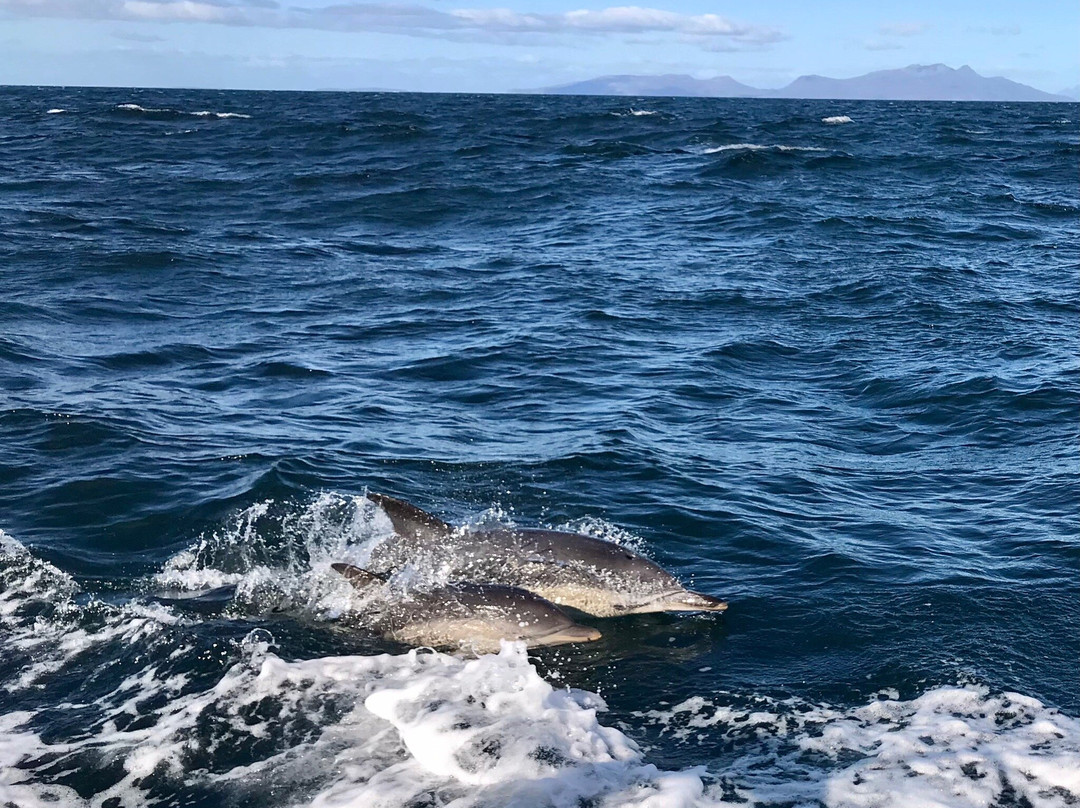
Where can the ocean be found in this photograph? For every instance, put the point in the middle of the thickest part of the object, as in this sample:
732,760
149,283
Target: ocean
817,358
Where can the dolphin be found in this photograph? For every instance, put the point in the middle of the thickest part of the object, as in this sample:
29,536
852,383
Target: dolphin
473,616
591,575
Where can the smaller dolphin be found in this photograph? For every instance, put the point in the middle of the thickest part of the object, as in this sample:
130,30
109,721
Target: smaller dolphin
474,616
591,575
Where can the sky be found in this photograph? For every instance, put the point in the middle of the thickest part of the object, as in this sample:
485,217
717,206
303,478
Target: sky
506,45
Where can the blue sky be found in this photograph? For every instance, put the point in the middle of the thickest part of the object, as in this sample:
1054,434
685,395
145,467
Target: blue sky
479,46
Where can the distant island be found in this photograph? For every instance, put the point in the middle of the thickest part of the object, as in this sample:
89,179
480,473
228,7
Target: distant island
913,83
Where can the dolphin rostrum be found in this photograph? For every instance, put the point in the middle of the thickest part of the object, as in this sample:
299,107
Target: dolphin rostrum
473,616
591,575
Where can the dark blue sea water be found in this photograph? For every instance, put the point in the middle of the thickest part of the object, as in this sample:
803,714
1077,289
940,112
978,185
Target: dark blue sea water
828,371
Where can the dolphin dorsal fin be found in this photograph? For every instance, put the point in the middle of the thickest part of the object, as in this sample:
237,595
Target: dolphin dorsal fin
358,577
409,521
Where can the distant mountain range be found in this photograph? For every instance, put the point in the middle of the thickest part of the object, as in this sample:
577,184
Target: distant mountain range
913,83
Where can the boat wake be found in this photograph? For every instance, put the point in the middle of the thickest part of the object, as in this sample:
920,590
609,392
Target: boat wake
162,707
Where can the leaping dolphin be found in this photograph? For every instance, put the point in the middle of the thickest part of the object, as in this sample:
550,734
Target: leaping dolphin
591,575
473,616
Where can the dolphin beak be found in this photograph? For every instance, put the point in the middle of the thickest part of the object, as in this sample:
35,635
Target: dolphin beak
687,601
574,633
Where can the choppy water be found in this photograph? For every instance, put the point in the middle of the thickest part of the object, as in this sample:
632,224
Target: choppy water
825,368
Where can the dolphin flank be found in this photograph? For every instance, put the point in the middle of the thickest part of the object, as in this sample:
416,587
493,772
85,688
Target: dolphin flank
591,575
472,616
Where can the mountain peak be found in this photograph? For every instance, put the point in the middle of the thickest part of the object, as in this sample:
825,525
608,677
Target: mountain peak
936,82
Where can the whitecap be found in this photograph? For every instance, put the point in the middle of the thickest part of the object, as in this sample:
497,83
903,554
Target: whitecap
833,120
203,113
55,111
760,147
636,113
209,114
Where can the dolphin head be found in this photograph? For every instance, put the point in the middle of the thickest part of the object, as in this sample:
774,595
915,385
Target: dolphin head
674,600
651,588
572,633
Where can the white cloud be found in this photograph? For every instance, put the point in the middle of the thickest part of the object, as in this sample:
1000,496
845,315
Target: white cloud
137,36
178,10
500,24
904,28
996,30
882,45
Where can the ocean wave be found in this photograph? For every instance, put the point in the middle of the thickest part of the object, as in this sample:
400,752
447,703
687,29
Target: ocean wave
610,149
832,120
54,111
761,147
204,113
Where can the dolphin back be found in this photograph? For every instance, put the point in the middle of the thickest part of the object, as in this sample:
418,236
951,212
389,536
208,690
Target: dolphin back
409,521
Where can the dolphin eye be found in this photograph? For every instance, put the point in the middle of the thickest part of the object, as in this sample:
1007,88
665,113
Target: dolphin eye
627,555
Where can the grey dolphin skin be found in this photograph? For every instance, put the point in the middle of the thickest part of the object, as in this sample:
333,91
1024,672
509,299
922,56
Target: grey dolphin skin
472,616
591,575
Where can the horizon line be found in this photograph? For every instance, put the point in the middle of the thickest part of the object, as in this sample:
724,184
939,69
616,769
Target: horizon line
544,93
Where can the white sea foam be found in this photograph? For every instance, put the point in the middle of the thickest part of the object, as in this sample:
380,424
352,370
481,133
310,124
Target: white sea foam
166,111
760,147
961,747
209,114
54,111
26,585
637,113
833,120
482,732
